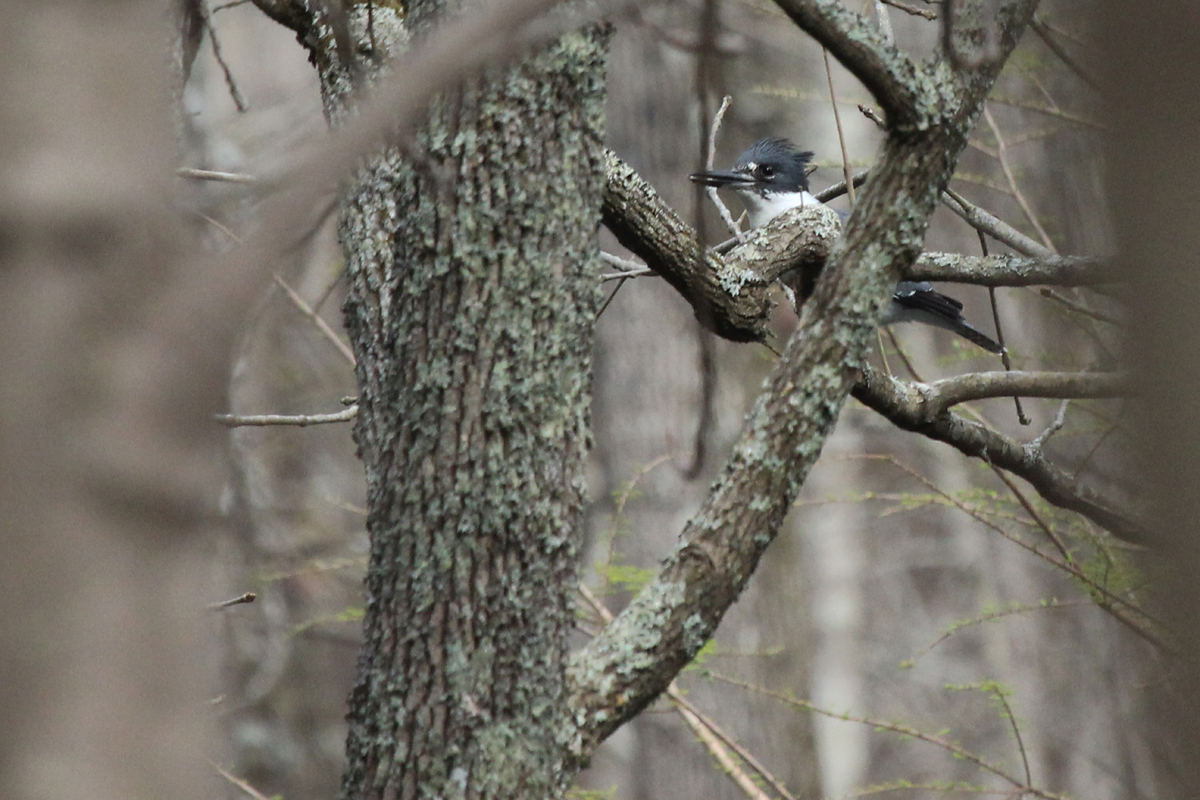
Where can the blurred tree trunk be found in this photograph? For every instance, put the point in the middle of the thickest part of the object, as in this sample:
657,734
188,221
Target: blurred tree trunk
470,309
113,360
1154,159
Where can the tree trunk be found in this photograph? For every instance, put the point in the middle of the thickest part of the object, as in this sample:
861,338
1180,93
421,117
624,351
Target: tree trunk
471,306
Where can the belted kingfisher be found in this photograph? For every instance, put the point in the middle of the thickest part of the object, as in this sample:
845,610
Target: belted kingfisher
771,177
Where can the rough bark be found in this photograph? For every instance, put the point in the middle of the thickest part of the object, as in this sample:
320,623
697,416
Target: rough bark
471,302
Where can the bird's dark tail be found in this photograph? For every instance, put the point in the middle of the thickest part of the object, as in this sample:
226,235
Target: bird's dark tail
980,338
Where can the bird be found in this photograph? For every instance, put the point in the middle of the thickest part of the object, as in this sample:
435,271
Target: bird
771,177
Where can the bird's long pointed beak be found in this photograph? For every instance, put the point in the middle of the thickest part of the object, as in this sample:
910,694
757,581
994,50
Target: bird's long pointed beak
721,178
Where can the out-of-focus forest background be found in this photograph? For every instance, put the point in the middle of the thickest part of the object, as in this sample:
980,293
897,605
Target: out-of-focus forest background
894,540
900,592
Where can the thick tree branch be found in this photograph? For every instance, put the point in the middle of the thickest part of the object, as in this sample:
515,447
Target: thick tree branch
729,293
907,407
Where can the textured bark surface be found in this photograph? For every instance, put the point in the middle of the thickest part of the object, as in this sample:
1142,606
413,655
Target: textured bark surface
471,307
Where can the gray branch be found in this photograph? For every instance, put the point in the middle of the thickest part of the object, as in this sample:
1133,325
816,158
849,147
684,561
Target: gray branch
906,406
1013,270
941,395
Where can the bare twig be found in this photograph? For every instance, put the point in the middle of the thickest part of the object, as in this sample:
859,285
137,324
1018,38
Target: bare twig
872,115
711,191
1054,538
321,324
613,295
215,42
640,272
1057,113
837,119
999,230
995,615
1054,427
222,227
1044,34
1006,167
298,420
214,175
1005,356
1002,696
241,784
911,9
908,365
1071,305
248,597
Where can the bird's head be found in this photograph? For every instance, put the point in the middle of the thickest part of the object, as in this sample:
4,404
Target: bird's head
768,176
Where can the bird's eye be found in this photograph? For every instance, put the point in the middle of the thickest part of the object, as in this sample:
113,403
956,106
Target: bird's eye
767,171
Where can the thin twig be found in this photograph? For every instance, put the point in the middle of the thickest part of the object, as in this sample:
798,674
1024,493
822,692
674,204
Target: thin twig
297,420
992,616
248,597
872,115
1005,356
317,320
1006,167
628,268
624,264
1071,305
608,301
223,228
241,784
622,498
1112,600
894,727
908,9
908,365
1044,34
641,272
1066,116
837,119
993,226
1060,419
709,160
1033,514
214,175
234,92
1008,712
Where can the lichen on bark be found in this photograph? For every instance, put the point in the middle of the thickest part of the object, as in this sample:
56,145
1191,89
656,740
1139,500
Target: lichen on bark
472,296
